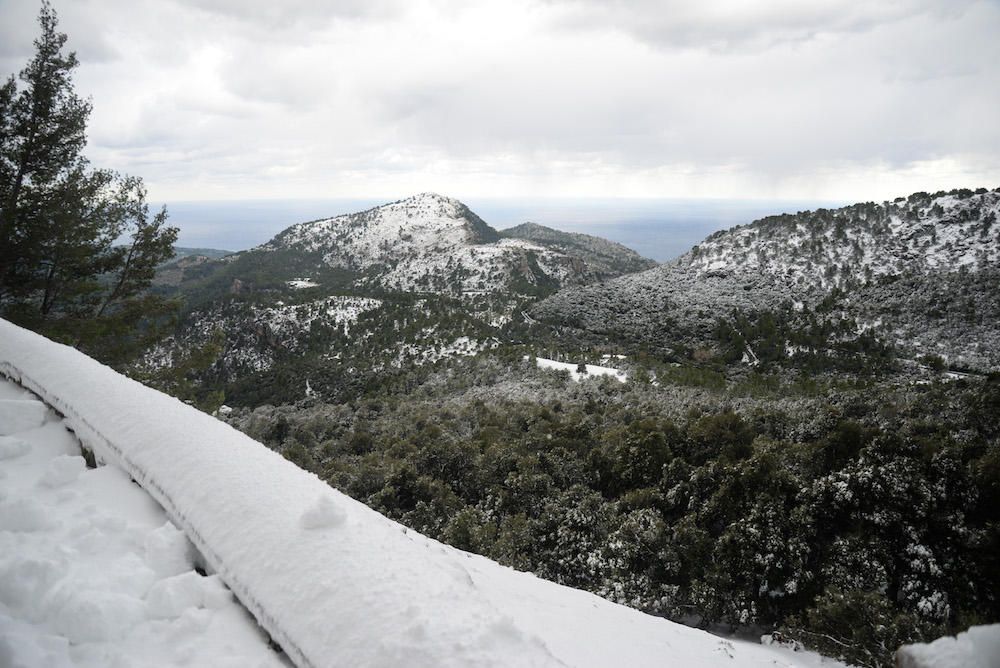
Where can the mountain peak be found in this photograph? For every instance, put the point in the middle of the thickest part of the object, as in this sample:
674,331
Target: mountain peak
430,197
432,243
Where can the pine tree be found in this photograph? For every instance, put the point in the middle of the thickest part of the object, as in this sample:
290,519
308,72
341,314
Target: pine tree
63,270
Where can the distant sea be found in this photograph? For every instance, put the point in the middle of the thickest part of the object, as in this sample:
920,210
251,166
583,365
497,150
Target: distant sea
661,229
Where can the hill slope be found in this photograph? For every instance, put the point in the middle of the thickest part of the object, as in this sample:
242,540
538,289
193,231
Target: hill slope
330,580
430,243
343,299
604,258
820,270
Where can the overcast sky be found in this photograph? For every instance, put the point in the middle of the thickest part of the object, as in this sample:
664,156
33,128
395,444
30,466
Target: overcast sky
235,99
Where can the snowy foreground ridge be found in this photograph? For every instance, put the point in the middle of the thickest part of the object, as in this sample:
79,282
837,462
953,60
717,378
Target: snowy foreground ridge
92,573
333,582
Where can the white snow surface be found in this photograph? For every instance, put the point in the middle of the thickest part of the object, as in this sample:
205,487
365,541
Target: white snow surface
301,283
18,414
91,571
332,581
593,370
979,647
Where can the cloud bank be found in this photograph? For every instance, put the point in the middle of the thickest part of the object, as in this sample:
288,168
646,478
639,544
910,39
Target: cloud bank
217,99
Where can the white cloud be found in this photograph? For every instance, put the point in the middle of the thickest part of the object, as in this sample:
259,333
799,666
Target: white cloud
742,25
219,98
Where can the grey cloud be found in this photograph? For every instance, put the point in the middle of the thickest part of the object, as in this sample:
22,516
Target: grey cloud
893,96
19,28
727,25
297,13
225,97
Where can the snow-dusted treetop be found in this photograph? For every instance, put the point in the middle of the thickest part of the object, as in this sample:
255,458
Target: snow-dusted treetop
861,242
332,581
919,272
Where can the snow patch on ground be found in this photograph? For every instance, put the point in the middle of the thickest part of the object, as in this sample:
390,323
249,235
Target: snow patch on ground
20,414
11,447
979,647
324,514
91,571
593,371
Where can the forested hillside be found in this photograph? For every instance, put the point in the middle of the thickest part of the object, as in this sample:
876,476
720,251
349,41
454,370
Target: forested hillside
337,303
843,285
796,433
606,259
851,515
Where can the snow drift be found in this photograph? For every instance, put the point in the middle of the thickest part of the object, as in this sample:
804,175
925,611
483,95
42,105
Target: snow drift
92,574
978,647
332,581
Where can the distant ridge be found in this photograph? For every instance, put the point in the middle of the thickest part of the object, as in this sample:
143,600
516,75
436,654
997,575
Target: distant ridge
914,273
344,299
605,257
211,253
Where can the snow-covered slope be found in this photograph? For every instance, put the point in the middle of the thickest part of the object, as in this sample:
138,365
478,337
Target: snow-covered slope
428,243
603,258
91,571
859,243
257,331
978,647
333,582
342,299
916,272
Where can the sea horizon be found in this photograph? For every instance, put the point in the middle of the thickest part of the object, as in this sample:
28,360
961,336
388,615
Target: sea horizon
657,228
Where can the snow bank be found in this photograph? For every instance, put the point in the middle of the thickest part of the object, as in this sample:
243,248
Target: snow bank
332,581
92,574
18,415
979,647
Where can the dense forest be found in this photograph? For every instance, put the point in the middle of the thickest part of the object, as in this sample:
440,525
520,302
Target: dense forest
849,514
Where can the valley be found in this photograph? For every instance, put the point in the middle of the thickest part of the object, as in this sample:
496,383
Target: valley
791,427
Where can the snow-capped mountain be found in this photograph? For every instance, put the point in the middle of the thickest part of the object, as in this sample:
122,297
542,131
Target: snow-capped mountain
408,282
430,243
916,273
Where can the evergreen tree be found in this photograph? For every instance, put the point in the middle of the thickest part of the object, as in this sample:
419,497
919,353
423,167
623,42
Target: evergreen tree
63,270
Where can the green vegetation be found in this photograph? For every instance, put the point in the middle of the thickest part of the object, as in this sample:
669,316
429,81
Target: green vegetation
63,270
851,516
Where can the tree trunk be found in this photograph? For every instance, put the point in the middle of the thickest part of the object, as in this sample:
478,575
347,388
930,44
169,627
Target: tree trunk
49,298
